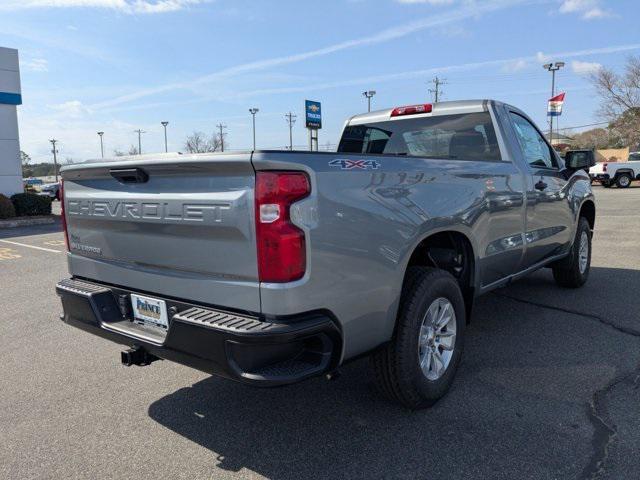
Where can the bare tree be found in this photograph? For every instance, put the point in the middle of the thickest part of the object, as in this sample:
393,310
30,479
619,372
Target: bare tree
118,153
133,150
25,159
620,93
594,138
198,142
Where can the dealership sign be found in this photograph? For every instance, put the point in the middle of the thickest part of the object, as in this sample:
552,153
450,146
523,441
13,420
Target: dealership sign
313,114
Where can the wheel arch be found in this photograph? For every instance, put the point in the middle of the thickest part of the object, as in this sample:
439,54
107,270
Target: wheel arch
627,171
588,211
452,251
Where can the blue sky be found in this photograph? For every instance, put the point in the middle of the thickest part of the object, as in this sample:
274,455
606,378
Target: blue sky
119,65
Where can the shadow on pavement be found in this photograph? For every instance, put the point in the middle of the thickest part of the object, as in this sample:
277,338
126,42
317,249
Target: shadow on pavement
518,409
32,230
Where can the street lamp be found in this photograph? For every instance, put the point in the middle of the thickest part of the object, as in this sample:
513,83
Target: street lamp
369,94
164,125
55,158
100,134
253,112
553,68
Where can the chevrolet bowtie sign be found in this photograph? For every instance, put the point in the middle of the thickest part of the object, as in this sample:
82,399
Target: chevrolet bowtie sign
313,114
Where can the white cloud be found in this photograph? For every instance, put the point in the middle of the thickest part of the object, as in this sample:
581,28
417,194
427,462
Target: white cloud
596,12
124,6
35,65
469,10
542,58
587,9
515,66
71,109
584,68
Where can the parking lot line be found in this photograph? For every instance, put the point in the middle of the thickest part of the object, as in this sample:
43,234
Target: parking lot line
31,246
8,254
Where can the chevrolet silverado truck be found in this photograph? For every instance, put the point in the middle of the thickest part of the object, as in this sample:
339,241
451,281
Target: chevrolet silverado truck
270,267
620,174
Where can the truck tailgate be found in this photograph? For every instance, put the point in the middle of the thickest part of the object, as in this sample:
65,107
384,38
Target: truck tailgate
179,226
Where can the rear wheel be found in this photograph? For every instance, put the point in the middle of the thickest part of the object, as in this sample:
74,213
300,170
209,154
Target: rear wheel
623,180
417,367
606,184
573,271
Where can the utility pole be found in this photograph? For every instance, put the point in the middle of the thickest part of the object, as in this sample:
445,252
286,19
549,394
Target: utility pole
291,119
369,95
437,91
55,157
140,132
552,67
100,134
253,112
164,125
221,126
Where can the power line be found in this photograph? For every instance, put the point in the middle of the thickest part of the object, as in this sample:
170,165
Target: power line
139,132
291,119
55,157
583,126
221,126
437,91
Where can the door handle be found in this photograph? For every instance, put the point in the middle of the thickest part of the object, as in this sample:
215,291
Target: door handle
540,185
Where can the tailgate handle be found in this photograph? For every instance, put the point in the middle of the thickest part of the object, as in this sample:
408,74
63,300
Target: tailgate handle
129,175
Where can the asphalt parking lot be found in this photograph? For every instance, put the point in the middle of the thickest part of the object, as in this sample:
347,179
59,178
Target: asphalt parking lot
549,389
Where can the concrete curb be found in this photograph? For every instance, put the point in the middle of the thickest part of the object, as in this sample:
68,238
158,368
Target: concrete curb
28,221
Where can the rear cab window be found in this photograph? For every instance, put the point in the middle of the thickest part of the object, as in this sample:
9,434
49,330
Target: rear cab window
467,136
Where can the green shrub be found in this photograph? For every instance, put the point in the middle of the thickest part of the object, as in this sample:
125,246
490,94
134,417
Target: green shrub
6,208
27,204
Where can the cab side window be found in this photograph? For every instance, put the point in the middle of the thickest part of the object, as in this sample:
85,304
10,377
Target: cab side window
535,149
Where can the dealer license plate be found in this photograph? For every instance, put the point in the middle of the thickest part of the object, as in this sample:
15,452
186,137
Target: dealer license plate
149,310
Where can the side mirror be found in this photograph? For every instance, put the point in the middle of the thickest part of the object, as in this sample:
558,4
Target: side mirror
579,159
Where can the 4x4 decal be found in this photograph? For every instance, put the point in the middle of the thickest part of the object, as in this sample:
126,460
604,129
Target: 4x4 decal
346,164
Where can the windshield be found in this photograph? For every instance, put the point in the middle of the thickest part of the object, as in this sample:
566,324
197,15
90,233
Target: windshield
635,156
468,136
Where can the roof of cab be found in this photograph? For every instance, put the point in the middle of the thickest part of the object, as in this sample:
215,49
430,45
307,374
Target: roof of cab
440,108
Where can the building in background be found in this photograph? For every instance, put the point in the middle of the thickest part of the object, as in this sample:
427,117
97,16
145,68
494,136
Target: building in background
10,98
560,141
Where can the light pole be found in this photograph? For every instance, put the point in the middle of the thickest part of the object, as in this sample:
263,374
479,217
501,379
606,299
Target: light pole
552,67
55,158
369,94
253,112
100,134
164,125
140,132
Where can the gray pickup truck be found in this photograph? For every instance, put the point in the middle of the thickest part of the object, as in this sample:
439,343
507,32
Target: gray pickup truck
270,267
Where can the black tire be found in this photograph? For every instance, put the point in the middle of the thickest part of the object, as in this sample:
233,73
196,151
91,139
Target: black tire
567,272
623,180
396,366
606,184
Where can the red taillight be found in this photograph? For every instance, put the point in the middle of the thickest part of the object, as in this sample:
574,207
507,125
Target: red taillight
62,215
604,167
412,110
281,245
